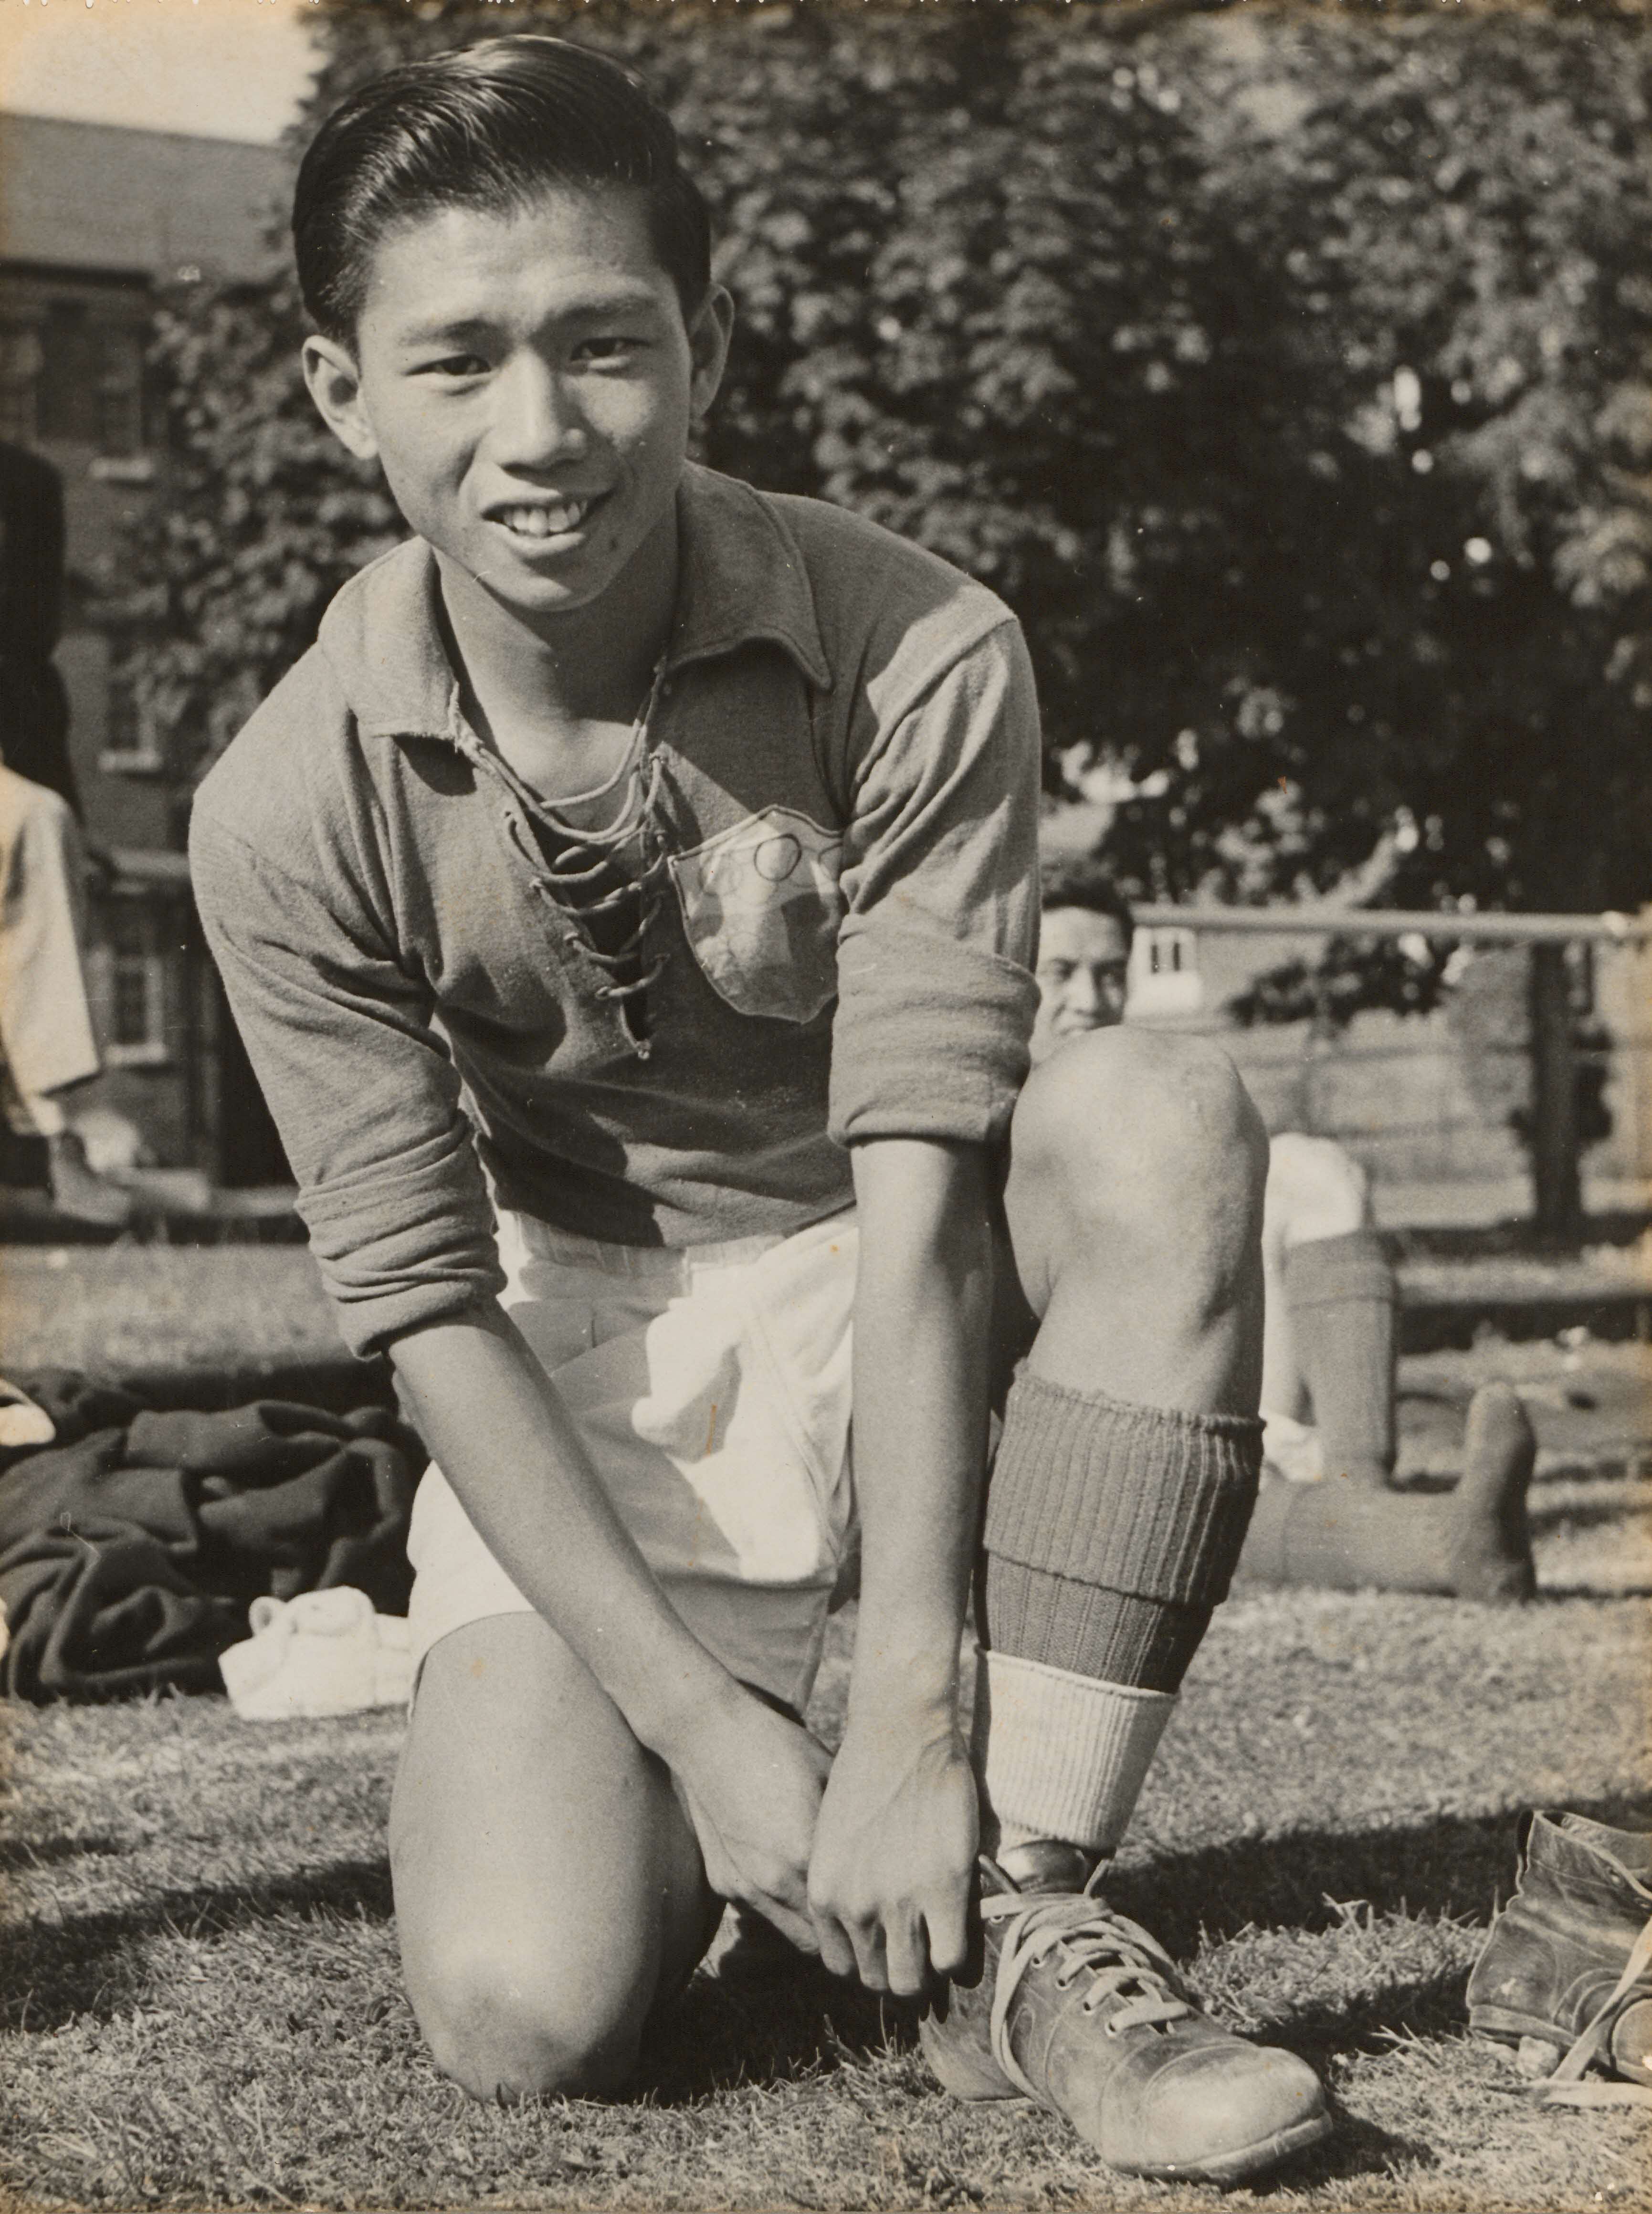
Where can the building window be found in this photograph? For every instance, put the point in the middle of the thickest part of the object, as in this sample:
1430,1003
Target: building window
132,743
90,385
21,357
136,985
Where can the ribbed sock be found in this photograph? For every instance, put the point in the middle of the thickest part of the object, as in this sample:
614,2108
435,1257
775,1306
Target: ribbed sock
1112,1529
1343,1535
1341,1295
1088,1630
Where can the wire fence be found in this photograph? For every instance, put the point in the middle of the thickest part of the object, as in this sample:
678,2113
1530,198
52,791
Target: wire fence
1528,1091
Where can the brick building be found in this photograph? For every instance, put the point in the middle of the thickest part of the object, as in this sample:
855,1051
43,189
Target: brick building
91,217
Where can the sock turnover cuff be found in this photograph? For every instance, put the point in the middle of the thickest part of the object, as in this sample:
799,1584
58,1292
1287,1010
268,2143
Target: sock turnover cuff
1200,1422
1150,1500
1062,1755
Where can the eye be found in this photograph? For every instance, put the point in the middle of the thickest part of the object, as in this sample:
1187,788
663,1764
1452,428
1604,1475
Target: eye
454,366
611,349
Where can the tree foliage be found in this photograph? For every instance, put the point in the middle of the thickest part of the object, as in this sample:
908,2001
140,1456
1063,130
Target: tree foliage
1286,372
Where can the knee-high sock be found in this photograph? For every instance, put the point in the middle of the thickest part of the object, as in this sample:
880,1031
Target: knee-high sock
1111,1531
1343,1535
1340,1291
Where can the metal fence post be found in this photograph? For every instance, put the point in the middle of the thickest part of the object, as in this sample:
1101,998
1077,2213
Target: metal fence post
1555,1188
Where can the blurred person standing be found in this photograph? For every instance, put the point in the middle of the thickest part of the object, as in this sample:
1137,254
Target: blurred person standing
47,1036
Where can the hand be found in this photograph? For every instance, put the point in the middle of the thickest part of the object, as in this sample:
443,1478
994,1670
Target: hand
750,1782
893,1870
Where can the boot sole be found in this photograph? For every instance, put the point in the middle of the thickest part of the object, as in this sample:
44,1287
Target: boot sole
1247,2161
1507,2026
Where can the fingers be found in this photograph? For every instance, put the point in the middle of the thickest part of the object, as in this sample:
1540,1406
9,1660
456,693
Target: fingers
906,1951
901,1946
946,1924
889,1952
837,1953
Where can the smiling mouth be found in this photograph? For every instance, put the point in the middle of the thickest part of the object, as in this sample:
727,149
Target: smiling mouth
539,520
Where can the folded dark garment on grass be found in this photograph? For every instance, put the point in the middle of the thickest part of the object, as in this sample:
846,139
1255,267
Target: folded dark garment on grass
130,1554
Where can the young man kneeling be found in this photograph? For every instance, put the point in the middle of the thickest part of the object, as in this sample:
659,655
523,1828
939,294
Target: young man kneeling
629,904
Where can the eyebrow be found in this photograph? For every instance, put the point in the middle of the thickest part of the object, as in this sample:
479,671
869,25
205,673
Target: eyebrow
459,328
465,326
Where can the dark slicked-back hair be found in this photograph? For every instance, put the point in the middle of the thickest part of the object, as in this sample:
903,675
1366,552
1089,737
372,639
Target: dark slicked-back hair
1085,884
489,126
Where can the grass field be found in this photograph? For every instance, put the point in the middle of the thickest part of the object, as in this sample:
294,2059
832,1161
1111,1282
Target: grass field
131,1305
201,2005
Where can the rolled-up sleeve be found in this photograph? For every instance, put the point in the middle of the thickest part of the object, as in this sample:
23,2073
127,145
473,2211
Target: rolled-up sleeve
935,990
363,1091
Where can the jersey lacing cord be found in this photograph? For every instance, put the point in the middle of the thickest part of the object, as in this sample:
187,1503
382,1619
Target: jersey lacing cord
1123,1961
570,879
572,873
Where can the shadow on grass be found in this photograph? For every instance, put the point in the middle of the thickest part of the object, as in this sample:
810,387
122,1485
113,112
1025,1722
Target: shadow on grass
19,1854
792,2019
1427,2006
789,2019
1358,2149
799,2021
1455,1864
93,1964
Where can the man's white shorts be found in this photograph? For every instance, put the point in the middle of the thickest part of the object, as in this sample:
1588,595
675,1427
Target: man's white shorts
711,1384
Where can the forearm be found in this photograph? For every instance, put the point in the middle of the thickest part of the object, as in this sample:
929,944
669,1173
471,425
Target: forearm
922,1306
512,1452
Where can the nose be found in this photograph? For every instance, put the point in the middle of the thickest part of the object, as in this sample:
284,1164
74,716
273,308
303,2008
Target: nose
538,421
1082,995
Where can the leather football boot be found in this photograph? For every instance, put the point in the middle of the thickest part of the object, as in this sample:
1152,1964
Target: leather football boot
1554,1964
1083,2011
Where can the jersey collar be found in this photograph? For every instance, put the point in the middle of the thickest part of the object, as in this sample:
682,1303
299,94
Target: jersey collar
741,579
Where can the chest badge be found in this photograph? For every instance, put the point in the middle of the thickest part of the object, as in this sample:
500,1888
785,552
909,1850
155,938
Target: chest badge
760,906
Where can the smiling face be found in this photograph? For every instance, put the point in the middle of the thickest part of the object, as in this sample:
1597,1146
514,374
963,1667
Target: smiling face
1083,968
528,381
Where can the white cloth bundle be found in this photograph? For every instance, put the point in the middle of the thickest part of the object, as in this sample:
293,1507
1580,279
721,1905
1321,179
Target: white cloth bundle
323,1653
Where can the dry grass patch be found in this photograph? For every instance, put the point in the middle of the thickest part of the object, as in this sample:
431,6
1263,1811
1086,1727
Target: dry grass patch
202,2005
129,1305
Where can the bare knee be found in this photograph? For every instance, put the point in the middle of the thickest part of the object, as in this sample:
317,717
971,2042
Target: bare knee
1144,1130
501,2032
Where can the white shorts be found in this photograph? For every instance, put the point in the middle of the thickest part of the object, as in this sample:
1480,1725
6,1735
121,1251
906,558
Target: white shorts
1291,1449
711,1384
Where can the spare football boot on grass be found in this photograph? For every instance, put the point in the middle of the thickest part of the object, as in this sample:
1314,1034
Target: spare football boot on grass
1568,1963
1081,2010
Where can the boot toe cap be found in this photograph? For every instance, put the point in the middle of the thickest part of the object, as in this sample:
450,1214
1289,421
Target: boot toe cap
1224,2111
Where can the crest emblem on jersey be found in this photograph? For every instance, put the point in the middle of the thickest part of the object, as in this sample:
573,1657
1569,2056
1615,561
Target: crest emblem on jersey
761,907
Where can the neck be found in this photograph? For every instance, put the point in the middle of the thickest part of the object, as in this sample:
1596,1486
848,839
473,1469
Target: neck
592,664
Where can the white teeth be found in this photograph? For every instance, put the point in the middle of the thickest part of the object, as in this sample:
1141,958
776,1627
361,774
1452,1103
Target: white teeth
546,522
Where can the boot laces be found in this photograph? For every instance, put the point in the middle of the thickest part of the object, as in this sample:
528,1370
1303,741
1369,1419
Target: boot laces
1566,2087
1123,1963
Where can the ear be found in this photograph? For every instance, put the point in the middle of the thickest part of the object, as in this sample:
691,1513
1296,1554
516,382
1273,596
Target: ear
709,333
335,380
